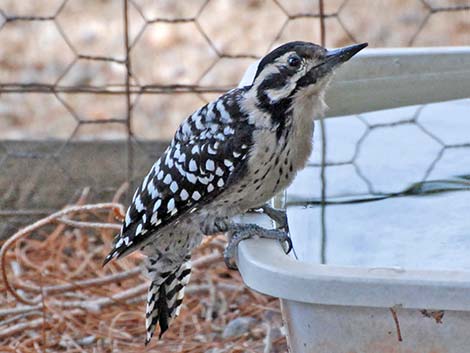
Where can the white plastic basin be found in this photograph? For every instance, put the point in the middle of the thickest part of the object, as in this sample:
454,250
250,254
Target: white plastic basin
339,309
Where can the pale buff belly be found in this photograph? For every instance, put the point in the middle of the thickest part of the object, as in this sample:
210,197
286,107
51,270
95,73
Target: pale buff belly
273,170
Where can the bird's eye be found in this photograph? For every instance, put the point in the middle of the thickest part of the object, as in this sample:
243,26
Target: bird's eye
294,61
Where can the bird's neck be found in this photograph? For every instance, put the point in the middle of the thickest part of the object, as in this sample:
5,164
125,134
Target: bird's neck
304,112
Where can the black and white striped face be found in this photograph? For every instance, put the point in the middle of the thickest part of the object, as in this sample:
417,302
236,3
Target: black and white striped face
297,67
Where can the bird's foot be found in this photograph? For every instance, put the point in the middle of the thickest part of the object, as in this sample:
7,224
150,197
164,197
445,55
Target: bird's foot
220,225
278,216
241,232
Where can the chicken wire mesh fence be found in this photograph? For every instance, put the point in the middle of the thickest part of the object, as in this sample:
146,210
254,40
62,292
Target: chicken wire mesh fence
65,82
84,92
130,71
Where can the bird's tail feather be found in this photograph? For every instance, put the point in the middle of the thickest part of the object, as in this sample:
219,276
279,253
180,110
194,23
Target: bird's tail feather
165,296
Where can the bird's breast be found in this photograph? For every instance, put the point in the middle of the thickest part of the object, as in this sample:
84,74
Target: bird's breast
273,163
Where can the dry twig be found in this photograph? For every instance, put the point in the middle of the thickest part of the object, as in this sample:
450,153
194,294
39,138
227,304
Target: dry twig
42,222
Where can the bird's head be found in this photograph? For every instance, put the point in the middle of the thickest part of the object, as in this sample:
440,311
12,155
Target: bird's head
297,69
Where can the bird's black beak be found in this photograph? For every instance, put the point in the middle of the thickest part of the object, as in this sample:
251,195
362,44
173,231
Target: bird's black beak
333,59
338,56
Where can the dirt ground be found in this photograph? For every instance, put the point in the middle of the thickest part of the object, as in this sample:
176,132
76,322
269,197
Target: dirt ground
63,300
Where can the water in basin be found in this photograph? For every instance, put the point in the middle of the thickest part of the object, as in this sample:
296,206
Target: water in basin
397,191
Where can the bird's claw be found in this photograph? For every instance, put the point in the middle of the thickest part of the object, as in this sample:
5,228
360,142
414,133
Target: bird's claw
220,225
252,231
288,242
277,215
229,255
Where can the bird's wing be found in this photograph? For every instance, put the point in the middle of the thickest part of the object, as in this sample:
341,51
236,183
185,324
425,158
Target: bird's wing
206,154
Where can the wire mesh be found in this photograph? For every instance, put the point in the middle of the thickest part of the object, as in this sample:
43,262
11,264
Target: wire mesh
138,61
